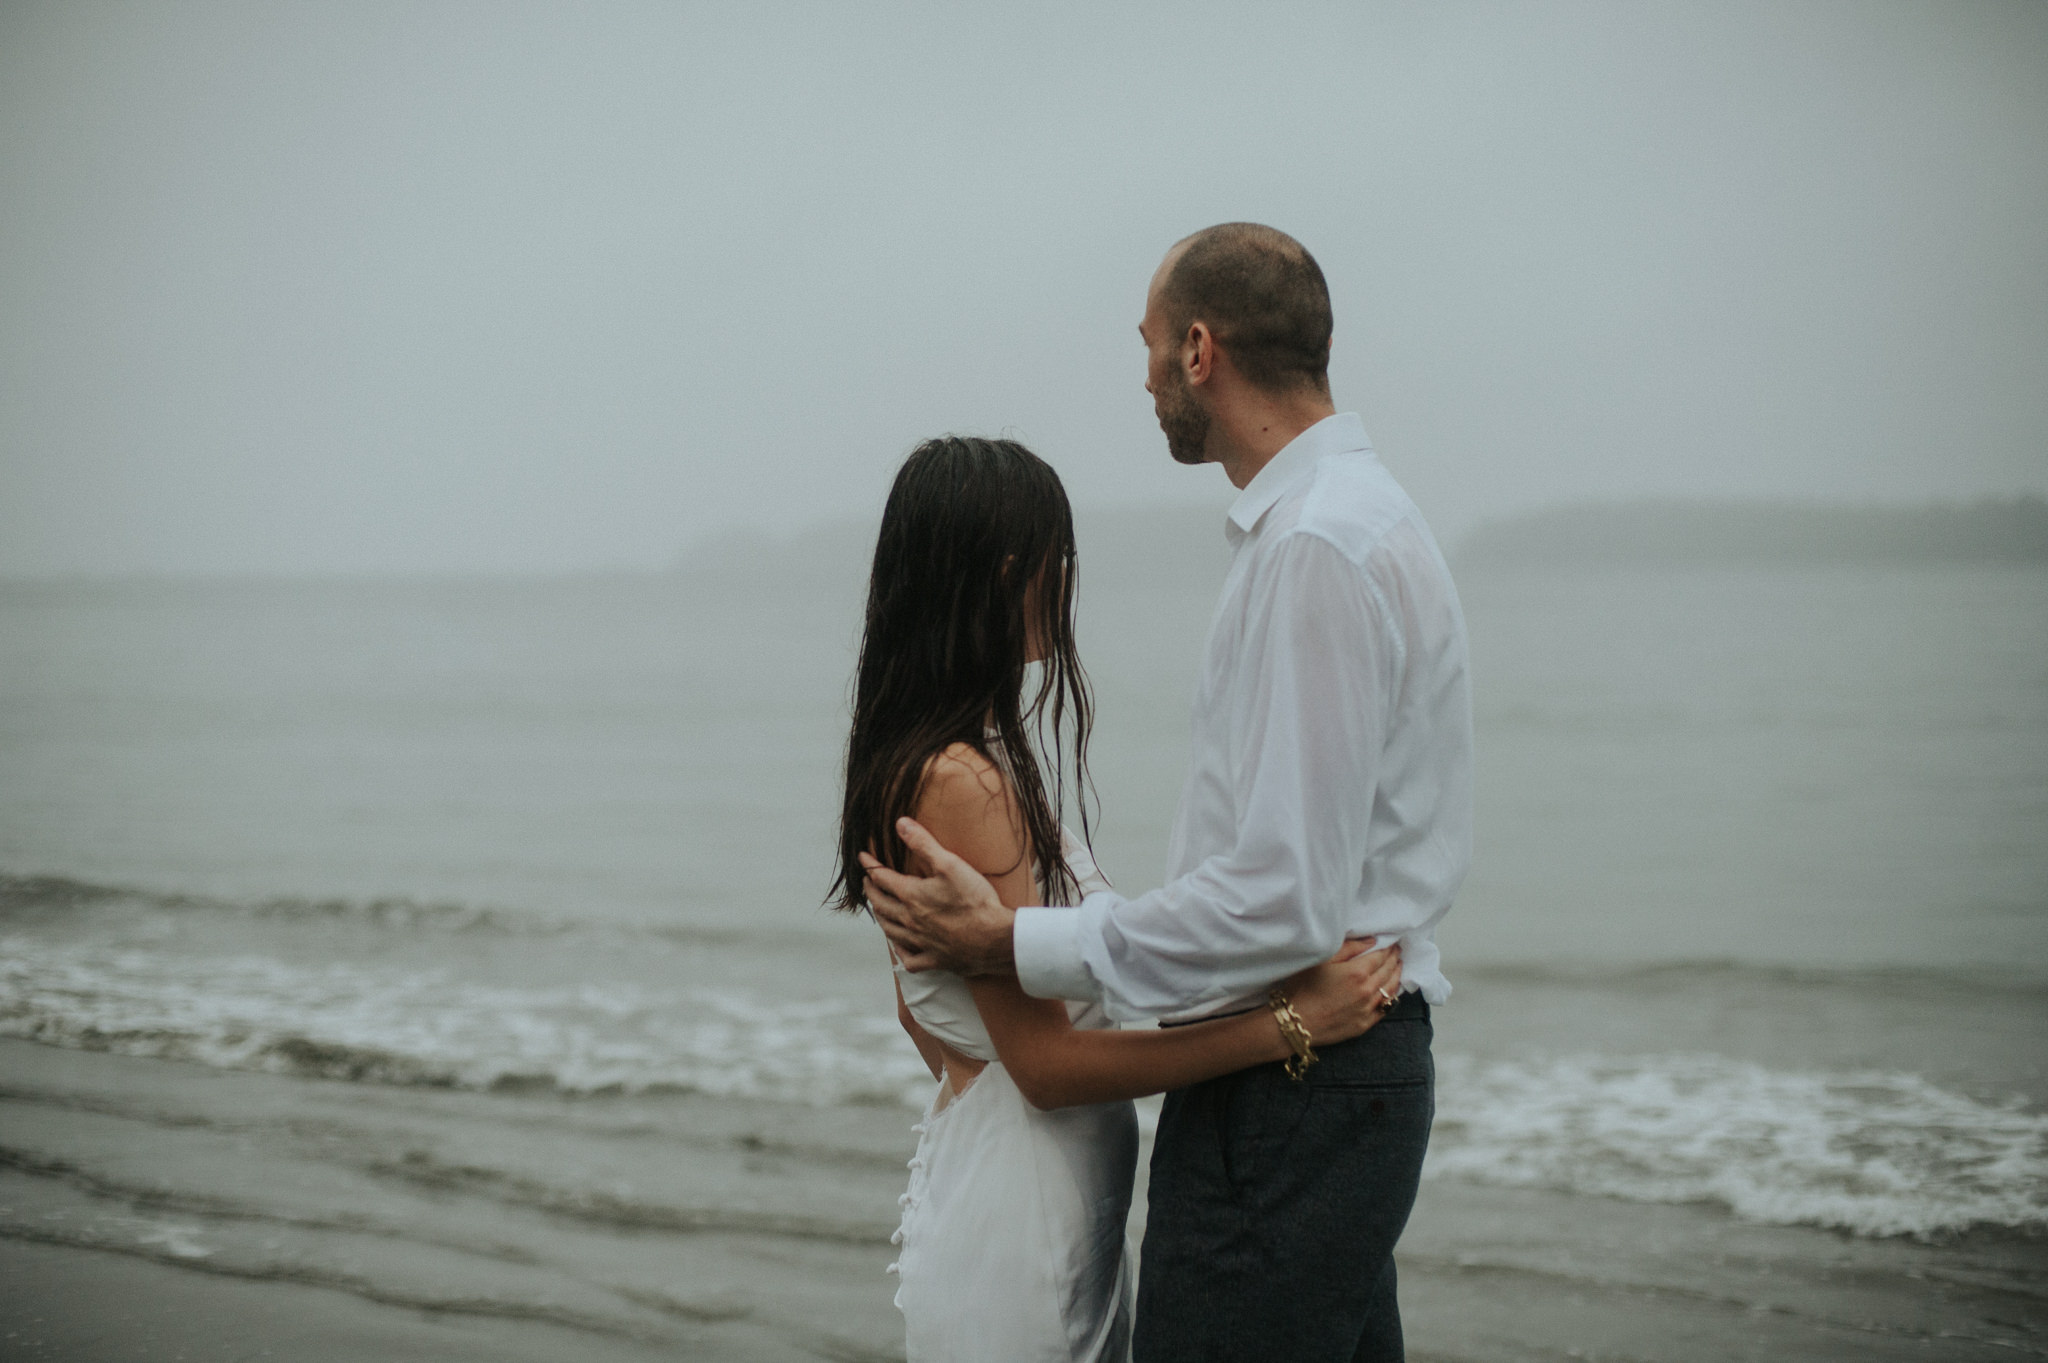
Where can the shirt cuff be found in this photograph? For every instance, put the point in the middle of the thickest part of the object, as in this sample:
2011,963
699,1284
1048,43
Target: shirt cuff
1047,947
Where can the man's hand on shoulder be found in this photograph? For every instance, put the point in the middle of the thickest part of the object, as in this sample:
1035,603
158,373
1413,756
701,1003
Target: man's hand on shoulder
951,920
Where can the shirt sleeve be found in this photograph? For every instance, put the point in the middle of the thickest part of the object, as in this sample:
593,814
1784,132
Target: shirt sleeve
1305,714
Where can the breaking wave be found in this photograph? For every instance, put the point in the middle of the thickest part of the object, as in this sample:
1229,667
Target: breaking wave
349,1022
1869,1153
1872,1153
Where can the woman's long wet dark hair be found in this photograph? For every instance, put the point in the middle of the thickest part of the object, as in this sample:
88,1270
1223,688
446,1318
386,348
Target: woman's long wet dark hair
976,538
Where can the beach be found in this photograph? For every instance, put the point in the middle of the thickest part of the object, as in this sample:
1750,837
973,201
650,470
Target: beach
436,969
229,1215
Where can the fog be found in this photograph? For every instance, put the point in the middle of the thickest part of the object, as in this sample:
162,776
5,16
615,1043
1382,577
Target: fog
491,288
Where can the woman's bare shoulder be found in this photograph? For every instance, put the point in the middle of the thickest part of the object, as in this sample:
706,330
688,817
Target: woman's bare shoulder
967,804
962,773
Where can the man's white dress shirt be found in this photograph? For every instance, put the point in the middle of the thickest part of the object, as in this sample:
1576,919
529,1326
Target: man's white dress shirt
1329,792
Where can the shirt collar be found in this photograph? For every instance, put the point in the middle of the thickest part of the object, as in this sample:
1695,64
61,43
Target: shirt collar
1339,434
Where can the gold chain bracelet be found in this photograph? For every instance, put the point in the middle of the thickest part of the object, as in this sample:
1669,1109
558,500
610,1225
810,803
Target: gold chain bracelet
1294,1031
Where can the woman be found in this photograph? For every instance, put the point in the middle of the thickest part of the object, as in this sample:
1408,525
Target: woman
1012,1237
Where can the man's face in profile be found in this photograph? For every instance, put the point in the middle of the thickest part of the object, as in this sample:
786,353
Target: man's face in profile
1181,415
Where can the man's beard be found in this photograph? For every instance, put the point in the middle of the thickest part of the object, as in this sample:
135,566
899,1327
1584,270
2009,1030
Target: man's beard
1185,423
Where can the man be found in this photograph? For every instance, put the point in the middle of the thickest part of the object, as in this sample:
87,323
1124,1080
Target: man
1328,796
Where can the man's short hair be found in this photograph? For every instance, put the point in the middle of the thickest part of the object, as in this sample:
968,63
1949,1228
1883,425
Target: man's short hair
1264,299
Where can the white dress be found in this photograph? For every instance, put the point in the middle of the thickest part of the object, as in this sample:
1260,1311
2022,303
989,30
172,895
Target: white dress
1013,1245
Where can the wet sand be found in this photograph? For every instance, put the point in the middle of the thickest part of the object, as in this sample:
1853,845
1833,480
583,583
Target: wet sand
79,1304
151,1209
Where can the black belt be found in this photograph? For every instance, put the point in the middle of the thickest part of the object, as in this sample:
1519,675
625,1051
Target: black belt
1410,1006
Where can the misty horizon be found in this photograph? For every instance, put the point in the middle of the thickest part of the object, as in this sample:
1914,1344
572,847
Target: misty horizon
1983,529
437,289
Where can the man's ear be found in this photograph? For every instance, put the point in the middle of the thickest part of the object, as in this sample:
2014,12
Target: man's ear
1198,352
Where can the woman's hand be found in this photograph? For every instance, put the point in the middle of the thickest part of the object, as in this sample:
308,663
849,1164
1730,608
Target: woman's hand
1347,994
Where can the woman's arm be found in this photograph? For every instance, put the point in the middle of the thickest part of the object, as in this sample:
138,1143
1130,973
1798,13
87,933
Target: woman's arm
967,805
1056,1066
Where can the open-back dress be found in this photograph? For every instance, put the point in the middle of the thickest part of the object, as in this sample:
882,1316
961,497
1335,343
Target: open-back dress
1013,1244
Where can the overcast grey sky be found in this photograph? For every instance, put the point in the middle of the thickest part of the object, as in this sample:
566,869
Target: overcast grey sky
477,287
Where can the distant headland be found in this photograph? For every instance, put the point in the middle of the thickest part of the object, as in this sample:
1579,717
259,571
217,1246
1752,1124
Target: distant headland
1614,534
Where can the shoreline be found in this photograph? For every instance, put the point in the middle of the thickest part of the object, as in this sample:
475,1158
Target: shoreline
151,1205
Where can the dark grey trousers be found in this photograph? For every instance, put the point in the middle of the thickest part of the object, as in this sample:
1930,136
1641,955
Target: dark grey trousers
1275,1205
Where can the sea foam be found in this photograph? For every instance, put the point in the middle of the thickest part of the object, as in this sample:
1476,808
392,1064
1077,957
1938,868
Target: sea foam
351,1022
1873,1153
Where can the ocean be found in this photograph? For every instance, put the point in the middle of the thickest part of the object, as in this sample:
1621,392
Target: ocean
456,947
